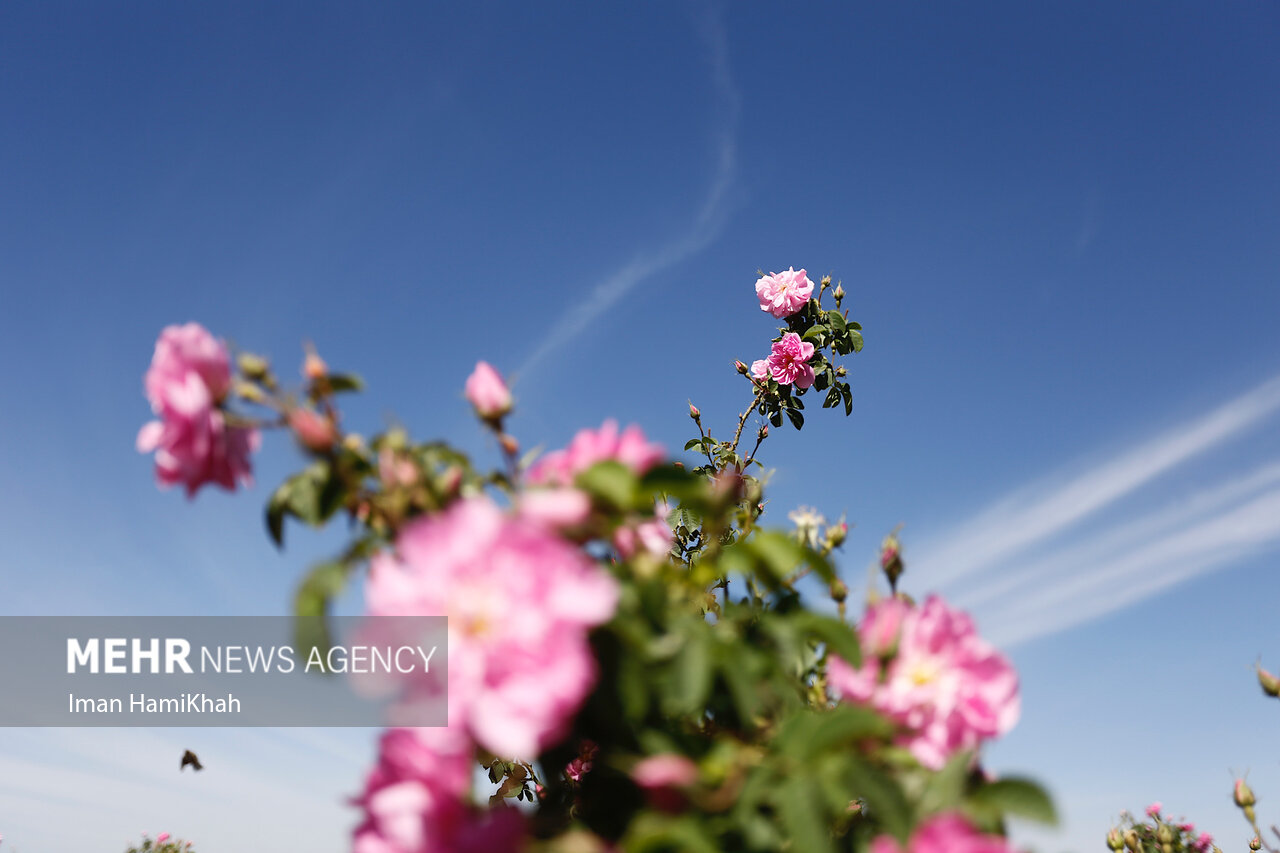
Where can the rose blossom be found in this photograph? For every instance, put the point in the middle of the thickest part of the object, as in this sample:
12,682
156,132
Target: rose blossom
789,361
784,293
189,376
1153,810
948,686
488,392
520,601
663,778
944,833
588,447
760,369
415,800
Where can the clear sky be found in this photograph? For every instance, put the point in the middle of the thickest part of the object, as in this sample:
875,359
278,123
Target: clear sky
1057,222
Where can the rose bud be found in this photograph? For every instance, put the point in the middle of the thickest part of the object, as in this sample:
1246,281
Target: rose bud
741,368
1270,684
316,432
693,412
313,367
488,393
1115,840
1255,844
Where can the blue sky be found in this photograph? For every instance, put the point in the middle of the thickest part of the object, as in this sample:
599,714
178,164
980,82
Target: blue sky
1057,222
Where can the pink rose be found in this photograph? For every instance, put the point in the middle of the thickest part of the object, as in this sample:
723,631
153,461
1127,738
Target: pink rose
487,392
415,800
784,293
664,778
520,601
1153,810
652,537
560,508
948,687
189,376
760,369
588,447
944,833
314,431
789,361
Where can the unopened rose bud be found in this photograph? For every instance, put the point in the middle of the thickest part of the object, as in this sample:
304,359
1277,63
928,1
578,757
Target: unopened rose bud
1164,833
1270,684
315,431
313,367
252,366
741,368
693,412
839,592
1132,842
488,392
764,432
1115,840
1244,798
1255,844
509,444
452,480
842,371
838,293
836,534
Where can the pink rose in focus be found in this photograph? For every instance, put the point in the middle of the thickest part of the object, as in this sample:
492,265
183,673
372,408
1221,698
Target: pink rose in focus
520,601
760,369
784,293
789,361
951,689
630,447
944,833
189,376
488,392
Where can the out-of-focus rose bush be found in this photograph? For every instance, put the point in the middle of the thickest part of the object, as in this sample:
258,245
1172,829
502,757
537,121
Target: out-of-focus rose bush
637,661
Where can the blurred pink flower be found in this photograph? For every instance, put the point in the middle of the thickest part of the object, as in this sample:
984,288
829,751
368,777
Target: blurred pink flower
784,293
558,508
1202,843
190,374
488,392
944,833
664,778
162,838
520,601
760,369
415,800
1153,810
188,349
789,361
630,447
581,766
951,689
650,537
315,431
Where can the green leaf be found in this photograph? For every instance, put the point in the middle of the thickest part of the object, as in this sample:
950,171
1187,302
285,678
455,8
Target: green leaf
692,443
856,338
276,509
810,735
343,382
836,319
847,393
693,672
796,418
944,790
1015,796
610,481
839,638
311,607
805,823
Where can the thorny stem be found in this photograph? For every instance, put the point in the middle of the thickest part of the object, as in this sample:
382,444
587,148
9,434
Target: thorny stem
742,419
